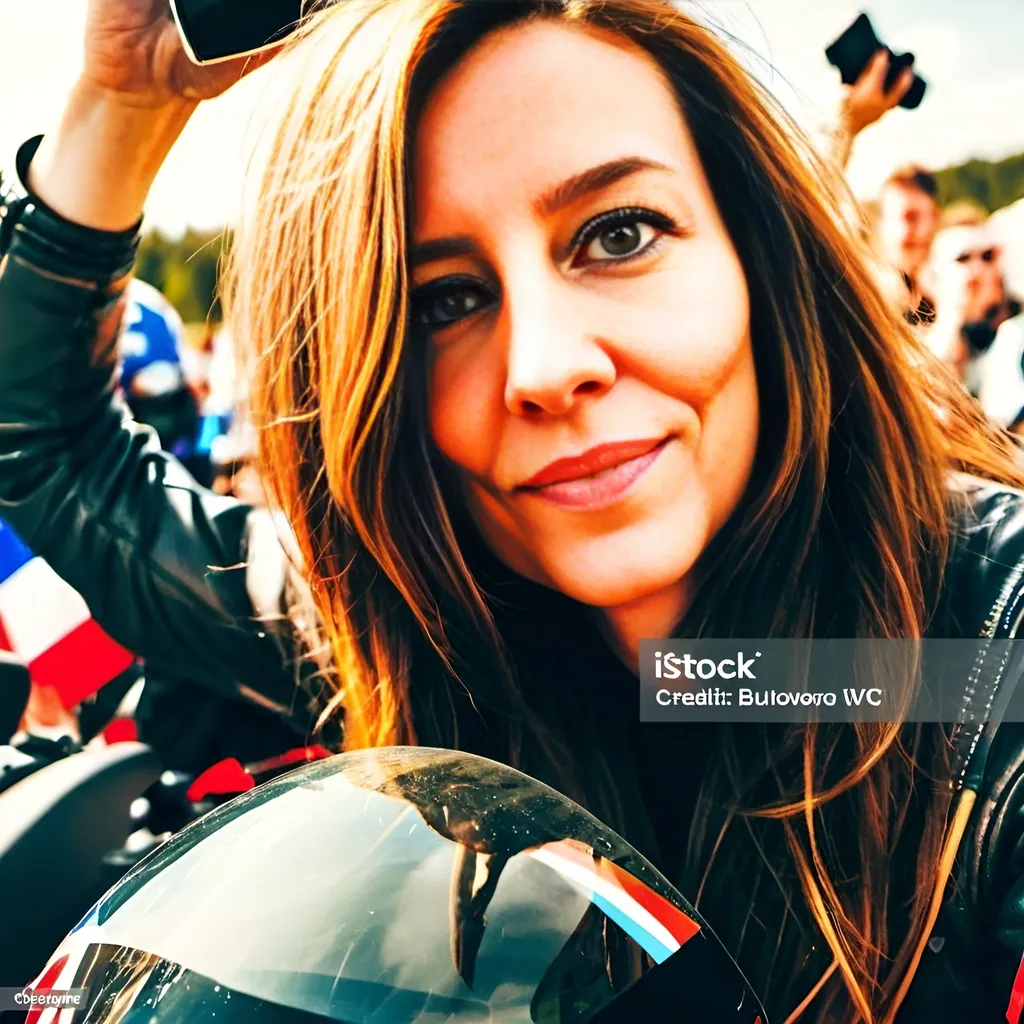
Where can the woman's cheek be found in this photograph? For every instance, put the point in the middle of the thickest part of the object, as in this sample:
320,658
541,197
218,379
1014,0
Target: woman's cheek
464,399
730,427
689,342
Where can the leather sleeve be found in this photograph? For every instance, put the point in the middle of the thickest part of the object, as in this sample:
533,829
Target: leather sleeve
157,558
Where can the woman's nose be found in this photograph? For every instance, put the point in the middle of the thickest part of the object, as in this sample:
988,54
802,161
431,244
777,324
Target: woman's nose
975,270
554,358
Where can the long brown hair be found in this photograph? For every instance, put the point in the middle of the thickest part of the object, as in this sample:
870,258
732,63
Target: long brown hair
861,428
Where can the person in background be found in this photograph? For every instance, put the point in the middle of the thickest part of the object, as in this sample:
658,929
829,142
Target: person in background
1001,388
196,361
220,400
964,274
153,378
864,103
1007,226
963,213
900,223
234,457
908,218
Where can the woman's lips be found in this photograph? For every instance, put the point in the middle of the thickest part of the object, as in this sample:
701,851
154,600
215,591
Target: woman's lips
598,478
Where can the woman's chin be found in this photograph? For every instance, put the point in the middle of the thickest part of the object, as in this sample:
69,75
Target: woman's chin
612,573
610,594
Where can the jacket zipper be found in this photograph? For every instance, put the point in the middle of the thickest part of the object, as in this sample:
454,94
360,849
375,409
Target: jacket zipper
1004,605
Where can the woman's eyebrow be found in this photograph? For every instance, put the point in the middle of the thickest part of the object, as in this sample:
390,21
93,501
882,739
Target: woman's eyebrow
550,202
593,180
441,249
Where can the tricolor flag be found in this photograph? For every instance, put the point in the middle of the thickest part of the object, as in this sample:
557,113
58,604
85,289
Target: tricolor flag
47,624
656,925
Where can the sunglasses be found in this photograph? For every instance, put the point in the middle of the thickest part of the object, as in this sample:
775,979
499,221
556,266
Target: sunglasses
985,255
217,30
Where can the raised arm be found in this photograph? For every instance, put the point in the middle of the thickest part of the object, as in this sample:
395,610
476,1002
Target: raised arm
864,103
157,558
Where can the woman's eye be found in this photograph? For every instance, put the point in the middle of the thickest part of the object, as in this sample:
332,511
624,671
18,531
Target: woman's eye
620,240
621,235
442,306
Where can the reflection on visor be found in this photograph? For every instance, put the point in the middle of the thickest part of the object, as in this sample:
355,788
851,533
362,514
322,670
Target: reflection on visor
658,927
136,987
394,886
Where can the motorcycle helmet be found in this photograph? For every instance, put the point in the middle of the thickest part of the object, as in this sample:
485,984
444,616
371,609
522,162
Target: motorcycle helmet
153,375
398,885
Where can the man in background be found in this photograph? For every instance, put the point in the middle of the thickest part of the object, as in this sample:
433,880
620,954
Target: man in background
907,221
974,308
906,216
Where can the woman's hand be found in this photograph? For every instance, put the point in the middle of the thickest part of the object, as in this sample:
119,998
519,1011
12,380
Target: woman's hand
135,95
133,51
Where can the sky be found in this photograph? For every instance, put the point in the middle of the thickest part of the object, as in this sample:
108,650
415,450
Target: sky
968,51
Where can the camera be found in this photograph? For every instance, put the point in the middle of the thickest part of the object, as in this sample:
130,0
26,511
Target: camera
852,52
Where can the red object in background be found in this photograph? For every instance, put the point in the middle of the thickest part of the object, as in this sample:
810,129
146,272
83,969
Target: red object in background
225,778
230,778
300,755
121,730
1013,1011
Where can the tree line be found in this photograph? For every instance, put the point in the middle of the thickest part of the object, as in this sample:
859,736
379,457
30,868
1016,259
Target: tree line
992,184
186,270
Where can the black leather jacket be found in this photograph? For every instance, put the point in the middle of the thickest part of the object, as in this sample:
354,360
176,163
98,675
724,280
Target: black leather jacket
162,565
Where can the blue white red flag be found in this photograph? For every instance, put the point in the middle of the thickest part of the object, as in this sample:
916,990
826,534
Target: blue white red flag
46,623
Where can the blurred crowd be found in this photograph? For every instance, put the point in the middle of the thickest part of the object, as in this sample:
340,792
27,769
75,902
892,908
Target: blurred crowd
189,393
952,264
957,271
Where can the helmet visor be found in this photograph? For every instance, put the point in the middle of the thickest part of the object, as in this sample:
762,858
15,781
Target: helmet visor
391,886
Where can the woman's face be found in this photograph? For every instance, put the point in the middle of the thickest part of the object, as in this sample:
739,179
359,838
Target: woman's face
591,375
